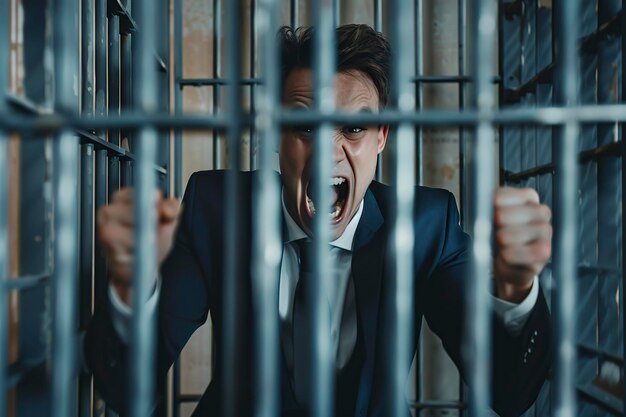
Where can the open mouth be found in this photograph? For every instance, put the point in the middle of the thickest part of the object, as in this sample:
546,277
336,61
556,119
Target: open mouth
340,188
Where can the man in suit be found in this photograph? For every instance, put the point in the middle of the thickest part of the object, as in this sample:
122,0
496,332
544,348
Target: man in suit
191,260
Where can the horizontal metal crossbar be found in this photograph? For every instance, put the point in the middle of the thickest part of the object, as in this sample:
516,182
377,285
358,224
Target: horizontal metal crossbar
544,116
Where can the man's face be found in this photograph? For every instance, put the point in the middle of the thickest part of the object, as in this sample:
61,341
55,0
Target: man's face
355,150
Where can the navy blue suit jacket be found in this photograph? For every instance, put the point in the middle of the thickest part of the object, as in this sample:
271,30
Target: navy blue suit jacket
192,286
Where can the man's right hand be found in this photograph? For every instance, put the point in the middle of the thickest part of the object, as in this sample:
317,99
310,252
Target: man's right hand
116,231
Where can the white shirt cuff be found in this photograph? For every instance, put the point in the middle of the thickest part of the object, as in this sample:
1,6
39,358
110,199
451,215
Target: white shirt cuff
121,313
514,316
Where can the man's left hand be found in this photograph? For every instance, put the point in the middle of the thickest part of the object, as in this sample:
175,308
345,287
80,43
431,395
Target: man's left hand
523,236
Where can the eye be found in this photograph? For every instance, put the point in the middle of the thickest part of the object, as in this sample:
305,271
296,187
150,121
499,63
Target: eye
354,132
306,132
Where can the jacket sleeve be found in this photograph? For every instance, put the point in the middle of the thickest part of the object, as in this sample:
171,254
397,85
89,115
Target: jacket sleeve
520,364
183,307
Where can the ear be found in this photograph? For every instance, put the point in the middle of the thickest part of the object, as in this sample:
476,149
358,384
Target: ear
383,133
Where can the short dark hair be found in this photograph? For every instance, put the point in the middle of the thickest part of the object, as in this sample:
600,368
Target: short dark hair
359,48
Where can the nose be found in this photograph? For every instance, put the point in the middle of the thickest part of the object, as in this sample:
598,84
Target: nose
339,153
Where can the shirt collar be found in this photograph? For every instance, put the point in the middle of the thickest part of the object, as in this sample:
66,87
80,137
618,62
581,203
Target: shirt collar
294,232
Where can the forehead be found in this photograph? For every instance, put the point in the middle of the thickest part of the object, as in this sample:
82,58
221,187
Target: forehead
353,90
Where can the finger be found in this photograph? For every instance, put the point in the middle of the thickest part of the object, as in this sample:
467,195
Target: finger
123,195
522,235
117,213
534,255
522,215
168,210
509,196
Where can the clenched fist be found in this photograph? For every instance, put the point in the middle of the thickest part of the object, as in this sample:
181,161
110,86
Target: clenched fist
116,231
523,236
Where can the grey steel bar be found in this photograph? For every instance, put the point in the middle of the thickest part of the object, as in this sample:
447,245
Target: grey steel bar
478,301
253,48
337,12
85,386
267,252
66,150
294,11
146,96
101,61
114,175
623,136
87,47
402,238
378,26
199,82
125,76
565,253
113,79
232,349
4,233
217,64
322,369
378,15
419,99
178,108
100,199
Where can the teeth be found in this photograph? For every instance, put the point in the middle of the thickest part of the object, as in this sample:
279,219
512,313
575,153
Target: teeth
335,213
311,205
336,181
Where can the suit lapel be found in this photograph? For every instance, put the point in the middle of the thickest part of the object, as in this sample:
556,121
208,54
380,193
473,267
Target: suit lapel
367,271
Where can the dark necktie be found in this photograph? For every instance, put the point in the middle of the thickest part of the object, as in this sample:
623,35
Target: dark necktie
302,325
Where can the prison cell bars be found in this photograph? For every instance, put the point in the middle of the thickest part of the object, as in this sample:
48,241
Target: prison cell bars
267,252
65,276
4,223
622,293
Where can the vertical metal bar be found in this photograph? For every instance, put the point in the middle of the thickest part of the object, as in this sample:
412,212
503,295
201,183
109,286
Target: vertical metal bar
268,239
337,12
419,99
324,67
566,213
178,102
87,80
419,173
461,5
146,95
100,199
125,76
101,59
114,175
253,47
403,161
66,213
217,63
86,265
294,17
232,343
113,79
623,169
478,304
378,26
4,192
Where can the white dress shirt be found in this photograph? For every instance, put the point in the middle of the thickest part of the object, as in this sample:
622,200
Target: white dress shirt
514,316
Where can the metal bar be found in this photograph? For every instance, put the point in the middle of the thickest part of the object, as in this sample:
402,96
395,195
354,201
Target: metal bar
336,12
113,79
146,96
437,405
378,15
178,108
623,142
267,251
200,82
566,214
85,386
101,61
25,281
378,26
4,220
100,199
114,176
66,150
294,11
125,77
232,348
402,238
87,48
253,48
322,366
217,64
542,116
419,156
478,301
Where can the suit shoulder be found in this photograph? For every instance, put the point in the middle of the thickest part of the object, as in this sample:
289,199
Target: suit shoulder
425,197
215,179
